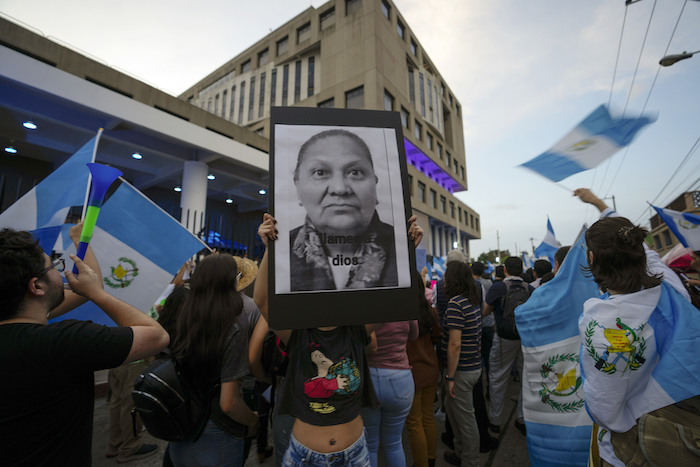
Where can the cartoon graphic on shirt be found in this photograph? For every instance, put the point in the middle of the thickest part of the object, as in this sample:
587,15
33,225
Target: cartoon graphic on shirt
341,378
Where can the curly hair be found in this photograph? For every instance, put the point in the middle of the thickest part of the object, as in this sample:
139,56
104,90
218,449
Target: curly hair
21,258
619,261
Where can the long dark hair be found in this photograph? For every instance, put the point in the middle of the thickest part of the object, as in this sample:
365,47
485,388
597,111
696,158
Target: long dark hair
167,316
459,281
619,261
207,317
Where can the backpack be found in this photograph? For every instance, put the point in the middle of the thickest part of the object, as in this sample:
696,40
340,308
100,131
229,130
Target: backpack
517,293
169,407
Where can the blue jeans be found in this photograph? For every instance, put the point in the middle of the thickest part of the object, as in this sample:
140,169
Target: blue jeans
214,448
355,455
384,425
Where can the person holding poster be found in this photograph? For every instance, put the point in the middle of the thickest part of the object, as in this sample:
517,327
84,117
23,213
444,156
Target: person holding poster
342,244
328,380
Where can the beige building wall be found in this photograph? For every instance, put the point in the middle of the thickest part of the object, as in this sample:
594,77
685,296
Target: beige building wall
353,44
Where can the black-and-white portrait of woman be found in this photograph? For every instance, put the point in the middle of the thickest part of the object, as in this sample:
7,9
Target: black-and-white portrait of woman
340,211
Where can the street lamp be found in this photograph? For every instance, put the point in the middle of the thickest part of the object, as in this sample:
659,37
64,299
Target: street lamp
669,60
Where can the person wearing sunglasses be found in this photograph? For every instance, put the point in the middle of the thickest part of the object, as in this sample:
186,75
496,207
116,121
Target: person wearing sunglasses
48,369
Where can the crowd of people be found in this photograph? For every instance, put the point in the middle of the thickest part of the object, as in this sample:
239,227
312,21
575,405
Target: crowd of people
331,395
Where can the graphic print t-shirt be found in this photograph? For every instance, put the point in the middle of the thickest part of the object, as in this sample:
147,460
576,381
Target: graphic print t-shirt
327,380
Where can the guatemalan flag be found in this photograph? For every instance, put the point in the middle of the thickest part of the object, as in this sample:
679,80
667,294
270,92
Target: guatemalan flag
596,138
43,209
135,260
527,261
638,354
684,225
558,427
549,245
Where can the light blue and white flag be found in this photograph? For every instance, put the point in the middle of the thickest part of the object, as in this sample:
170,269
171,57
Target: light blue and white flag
438,267
558,427
549,245
489,267
528,262
44,208
596,138
135,261
684,225
638,354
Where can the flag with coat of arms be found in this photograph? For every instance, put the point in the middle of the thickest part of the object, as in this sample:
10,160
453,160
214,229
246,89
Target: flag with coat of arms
558,426
549,245
596,138
128,241
684,225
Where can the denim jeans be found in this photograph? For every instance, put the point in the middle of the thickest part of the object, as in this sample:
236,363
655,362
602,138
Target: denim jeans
214,448
355,455
384,425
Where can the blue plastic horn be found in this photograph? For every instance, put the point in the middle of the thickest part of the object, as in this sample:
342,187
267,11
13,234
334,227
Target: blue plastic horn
102,178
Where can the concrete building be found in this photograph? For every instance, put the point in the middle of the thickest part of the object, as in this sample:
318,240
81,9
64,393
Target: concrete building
358,54
664,239
53,99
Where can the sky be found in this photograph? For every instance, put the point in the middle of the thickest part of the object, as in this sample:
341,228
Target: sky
525,74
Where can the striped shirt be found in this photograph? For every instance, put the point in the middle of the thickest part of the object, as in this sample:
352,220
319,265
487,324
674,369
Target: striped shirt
462,315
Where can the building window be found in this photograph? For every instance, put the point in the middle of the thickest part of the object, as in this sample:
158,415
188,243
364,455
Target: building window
209,105
422,94
283,45
388,101
310,78
414,48
400,29
443,204
439,151
457,108
285,83
418,130
245,67
261,102
452,209
251,99
216,104
297,81
224,95
450,99
262,58
273,87
442,88
667,237
476,221
352,6
410,185
657,242
404,117
459,211
386,9
411,87
456,165
327,18
471,220
421,192
461,168
433,199
241,98
429,140
328,103
232,106
430,100
355,98
303,33
448,159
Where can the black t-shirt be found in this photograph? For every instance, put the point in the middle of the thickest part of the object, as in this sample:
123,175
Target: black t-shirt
327,380
47,389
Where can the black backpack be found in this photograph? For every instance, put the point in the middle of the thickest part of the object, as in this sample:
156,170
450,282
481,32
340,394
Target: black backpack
517,293
169,407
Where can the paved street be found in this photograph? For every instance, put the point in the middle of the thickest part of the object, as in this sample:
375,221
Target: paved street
511,452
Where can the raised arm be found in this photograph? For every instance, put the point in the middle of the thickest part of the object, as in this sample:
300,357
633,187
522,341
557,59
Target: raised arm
587,196
267,232
149,337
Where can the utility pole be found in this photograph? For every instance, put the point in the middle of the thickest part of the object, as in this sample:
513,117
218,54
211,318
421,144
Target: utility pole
498,247
532,243
613,200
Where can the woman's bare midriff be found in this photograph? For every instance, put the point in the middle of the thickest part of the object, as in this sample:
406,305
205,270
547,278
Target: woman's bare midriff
328,438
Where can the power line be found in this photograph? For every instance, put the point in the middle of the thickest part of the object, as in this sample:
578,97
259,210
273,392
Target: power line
651,89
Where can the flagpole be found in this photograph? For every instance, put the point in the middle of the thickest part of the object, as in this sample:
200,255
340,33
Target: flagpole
87,191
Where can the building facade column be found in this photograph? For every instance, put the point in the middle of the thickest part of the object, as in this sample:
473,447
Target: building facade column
193,198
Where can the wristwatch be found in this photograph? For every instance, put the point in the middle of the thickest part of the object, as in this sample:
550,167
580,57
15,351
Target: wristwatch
449,378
